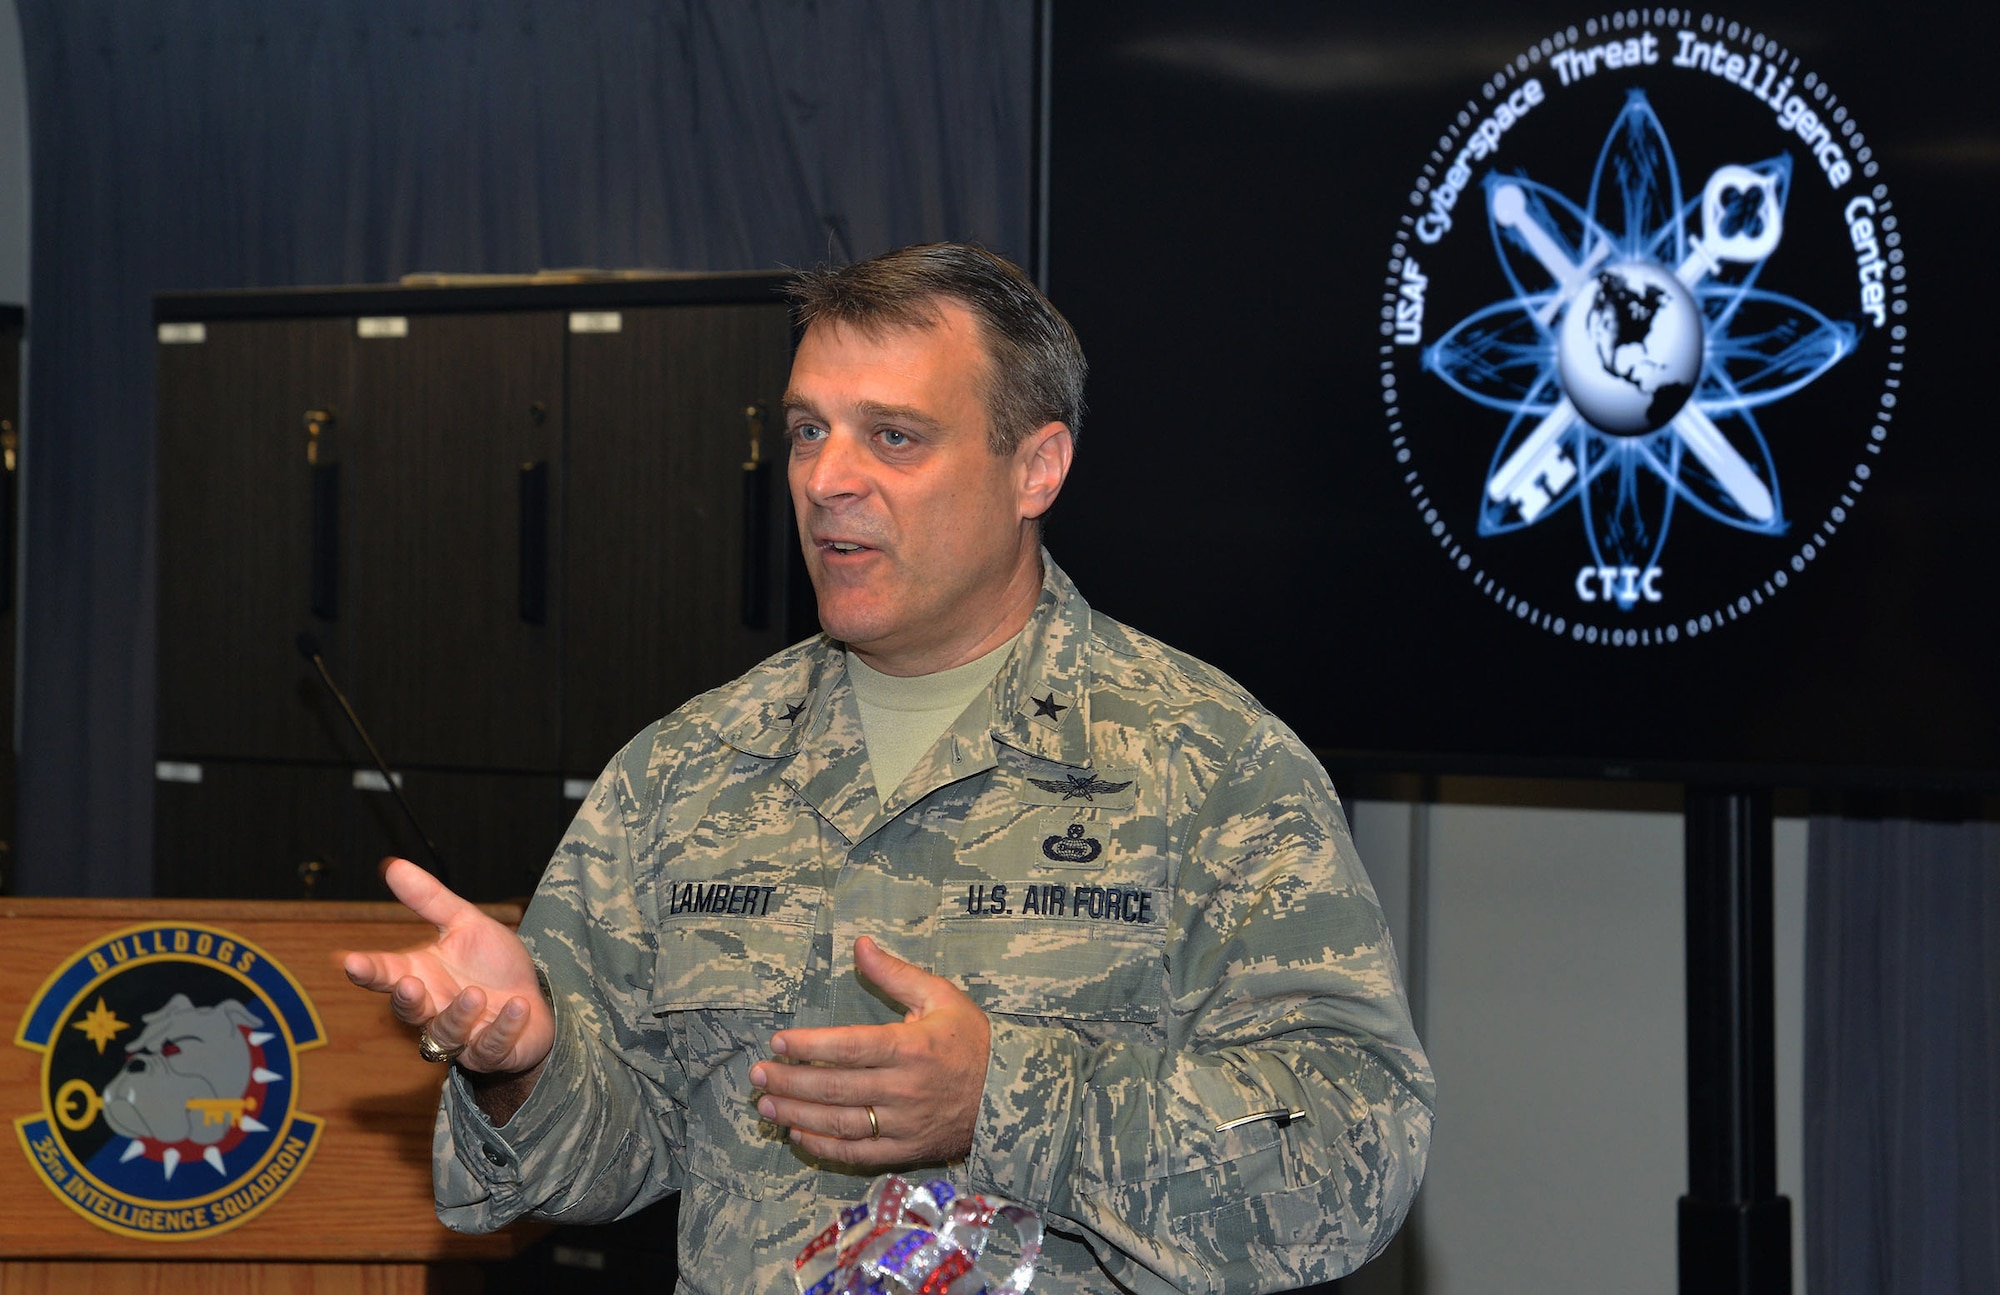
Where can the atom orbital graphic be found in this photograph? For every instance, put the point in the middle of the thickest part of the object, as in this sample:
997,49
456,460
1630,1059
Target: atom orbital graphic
1637,348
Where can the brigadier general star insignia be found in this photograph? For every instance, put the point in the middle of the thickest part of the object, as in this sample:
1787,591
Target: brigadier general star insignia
1085,785
792,713
1047,708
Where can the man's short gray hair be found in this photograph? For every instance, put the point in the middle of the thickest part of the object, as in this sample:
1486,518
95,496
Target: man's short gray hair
1035,368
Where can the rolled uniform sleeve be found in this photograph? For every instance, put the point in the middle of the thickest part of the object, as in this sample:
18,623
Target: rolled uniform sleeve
600,1135
1283,998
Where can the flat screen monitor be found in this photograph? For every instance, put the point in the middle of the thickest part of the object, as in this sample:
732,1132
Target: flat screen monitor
1531,388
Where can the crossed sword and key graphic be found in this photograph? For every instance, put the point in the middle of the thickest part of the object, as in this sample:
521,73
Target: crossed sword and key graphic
1541,467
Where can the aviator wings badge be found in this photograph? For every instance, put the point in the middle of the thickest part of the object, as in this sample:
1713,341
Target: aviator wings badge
1086,786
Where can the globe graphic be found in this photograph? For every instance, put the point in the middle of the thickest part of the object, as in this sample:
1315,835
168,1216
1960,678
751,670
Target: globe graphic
1630,348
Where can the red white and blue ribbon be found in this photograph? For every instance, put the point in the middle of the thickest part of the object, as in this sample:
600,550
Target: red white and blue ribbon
916,1239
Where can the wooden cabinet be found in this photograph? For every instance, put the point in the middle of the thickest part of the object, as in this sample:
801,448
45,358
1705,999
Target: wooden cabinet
446,422
518,521
238,558
676,576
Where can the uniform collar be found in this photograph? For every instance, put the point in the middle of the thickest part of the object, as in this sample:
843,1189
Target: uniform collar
800,708
1041,696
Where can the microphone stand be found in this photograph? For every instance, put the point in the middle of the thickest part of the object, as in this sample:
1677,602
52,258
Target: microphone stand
309,649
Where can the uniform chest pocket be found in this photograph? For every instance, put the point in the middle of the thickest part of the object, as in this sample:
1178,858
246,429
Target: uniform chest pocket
725,948
732,968
1065,966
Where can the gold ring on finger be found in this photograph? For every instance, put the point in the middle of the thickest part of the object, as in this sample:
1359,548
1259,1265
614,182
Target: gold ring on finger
433,1051
874,1125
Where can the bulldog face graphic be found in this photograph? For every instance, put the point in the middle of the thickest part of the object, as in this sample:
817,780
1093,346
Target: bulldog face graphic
185,1054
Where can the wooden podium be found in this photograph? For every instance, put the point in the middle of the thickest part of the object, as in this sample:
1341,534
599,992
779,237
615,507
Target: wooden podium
355,1215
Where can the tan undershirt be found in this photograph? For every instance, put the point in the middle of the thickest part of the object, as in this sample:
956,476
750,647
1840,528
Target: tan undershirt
901,716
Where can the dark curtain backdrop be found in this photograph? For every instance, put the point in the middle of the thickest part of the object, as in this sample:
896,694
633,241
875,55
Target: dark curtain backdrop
1902,1092
191,144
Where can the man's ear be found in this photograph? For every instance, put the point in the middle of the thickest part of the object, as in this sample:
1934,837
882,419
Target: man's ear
1042,464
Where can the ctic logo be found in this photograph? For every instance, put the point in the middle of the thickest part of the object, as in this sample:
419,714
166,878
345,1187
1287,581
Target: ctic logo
169,1081
1671,292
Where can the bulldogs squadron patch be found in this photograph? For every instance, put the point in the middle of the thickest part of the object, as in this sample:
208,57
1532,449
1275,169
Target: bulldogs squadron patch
169,1081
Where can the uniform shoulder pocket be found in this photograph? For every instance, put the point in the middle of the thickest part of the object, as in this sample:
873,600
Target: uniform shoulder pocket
1102,970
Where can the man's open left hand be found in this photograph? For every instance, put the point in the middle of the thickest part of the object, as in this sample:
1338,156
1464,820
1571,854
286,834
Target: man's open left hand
923,1077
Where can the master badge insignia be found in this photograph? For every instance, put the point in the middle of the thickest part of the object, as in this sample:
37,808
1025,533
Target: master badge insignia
1074,847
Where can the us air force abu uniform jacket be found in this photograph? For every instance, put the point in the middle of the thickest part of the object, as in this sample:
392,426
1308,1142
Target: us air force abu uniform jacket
1141,876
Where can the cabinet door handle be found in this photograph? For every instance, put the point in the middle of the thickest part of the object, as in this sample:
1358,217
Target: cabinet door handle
10,444
756,524
535,542
325,540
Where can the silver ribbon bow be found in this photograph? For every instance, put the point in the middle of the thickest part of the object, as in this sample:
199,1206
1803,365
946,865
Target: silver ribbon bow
916,1239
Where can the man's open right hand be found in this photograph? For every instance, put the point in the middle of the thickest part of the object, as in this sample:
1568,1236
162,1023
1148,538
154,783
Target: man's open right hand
473,986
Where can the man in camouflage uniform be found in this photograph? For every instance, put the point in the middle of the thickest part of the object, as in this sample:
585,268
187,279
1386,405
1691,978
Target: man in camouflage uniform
1105,950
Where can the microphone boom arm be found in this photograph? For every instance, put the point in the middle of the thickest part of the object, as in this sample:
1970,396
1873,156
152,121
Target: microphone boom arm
309,649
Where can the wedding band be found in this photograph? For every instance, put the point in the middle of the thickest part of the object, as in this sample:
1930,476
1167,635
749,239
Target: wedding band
429,1049
874,1125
